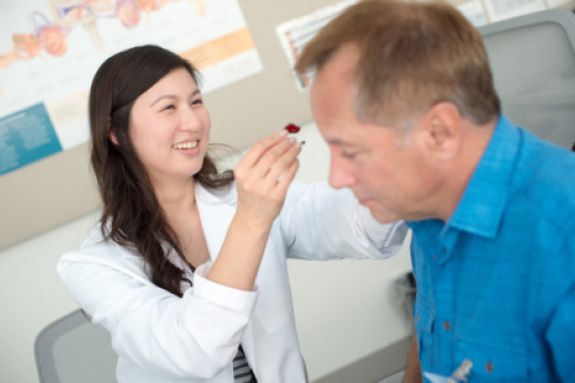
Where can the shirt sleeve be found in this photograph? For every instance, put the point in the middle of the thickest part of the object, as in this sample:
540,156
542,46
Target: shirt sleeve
320,223
195,336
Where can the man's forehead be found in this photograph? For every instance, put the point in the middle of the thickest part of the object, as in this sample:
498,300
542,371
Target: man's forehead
340,133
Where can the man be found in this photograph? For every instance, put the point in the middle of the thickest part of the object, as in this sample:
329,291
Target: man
404,97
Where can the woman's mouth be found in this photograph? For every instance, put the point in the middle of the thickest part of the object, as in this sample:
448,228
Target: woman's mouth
185,145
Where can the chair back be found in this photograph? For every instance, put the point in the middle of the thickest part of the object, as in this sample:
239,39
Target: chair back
533,62
73,350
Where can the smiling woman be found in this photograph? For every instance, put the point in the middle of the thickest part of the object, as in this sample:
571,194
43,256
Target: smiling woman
170,128
172,268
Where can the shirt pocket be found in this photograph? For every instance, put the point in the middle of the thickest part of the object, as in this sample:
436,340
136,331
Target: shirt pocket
493,362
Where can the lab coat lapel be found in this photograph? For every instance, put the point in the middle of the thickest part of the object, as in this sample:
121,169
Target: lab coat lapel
216,213
217,209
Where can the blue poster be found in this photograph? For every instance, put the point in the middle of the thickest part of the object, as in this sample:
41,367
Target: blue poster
26,136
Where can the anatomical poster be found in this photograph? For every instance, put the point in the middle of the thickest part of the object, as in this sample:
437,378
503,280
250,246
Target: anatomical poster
50,50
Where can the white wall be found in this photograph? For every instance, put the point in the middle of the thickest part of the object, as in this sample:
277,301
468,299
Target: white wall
340,306
31,296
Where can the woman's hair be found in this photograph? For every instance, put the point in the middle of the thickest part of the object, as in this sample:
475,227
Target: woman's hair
132,215
412,55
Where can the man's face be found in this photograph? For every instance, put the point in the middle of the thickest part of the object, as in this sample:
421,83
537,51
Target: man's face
387,170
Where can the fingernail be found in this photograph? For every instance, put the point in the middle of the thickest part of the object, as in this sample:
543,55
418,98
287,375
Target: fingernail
282,133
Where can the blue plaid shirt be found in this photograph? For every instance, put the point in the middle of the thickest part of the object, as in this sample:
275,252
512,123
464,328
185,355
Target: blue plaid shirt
496,284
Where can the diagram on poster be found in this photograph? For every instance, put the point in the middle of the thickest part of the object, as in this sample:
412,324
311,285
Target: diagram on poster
50,49
295,34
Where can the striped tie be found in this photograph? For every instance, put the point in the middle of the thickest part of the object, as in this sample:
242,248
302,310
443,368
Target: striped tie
242,371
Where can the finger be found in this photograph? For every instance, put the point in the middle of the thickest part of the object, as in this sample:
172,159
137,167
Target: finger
280,168
286,178
268,160
283,162
255,152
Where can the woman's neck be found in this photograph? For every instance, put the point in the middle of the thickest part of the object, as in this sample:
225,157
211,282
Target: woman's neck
176,196
179,205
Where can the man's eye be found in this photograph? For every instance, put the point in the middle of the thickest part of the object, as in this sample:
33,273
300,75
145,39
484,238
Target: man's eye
349,156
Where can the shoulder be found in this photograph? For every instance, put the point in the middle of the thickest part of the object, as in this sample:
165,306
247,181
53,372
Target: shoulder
95,250
545,181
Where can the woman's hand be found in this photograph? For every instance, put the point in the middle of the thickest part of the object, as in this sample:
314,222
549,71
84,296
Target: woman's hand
263,176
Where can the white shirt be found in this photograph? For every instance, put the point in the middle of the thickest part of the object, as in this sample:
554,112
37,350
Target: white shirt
161,338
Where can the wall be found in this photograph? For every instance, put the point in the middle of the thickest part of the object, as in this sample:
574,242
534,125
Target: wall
31,296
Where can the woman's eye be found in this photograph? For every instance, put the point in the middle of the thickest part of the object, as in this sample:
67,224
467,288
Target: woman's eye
197,101
169,107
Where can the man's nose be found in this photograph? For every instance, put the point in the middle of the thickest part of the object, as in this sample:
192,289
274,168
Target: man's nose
340,173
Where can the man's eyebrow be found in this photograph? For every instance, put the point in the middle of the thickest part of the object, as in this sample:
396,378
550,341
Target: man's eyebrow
339,142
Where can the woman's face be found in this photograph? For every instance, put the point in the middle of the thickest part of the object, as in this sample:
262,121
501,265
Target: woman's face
169,128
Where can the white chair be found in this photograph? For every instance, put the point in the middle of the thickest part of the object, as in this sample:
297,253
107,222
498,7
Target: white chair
73,350
533,62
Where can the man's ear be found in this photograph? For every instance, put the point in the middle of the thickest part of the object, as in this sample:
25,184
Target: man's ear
442,130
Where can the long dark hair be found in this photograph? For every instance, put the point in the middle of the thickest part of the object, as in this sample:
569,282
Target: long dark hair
132,216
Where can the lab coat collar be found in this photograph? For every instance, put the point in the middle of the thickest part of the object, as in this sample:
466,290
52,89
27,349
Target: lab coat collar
225,195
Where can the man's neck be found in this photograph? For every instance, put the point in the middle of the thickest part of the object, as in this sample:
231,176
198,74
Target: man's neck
463,165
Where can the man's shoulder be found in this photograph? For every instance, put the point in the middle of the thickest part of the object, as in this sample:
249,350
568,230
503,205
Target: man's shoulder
545,181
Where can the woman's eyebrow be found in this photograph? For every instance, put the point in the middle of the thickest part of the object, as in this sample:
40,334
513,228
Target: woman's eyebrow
172,96
162,97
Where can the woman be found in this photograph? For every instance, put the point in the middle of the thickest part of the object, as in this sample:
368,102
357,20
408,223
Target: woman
187,268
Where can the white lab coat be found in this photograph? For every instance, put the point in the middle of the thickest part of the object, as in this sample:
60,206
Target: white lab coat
161,338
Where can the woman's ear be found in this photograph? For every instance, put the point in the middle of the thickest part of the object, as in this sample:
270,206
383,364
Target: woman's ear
111,135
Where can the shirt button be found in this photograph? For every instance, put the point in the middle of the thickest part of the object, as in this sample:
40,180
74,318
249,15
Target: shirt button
446,325
489,367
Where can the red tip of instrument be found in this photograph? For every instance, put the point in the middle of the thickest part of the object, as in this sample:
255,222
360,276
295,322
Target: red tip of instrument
292,128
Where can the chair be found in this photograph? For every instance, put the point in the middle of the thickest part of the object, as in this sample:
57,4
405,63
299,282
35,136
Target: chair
73,350
533,62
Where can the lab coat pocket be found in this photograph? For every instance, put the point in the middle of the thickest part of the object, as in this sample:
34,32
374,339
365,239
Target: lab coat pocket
492,362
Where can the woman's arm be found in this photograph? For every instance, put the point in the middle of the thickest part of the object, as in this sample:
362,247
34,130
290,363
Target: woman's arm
319,222
412,368
262,178
197,335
